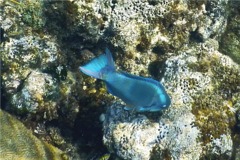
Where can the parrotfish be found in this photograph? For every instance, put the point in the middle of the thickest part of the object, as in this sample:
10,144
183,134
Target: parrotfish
139,93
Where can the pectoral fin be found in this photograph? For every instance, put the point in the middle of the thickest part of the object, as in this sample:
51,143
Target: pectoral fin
149,109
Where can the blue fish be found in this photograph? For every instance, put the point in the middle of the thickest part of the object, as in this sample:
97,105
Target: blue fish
139,93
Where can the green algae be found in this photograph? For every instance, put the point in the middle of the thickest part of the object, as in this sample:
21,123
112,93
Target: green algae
230,43
144,41
212,117
32,14
214,107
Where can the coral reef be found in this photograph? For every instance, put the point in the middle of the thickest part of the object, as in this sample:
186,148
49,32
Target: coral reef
230,44
137,136
17,142
177,42
38,87
204,90
35,82
144,25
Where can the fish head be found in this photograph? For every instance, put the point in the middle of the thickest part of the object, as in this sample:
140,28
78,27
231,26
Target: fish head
159,102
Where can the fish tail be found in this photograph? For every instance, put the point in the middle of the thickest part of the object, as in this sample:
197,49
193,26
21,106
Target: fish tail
99,66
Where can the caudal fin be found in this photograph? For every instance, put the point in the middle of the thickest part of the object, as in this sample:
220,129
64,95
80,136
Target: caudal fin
99,66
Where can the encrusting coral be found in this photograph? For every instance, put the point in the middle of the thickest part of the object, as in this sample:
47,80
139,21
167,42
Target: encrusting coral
17,142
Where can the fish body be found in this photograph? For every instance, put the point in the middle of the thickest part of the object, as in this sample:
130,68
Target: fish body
139,93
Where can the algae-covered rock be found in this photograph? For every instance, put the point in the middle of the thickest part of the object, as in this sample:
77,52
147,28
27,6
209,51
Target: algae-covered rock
139,26
230,42
28,84
204,89
17,142
141,136
137,29
44,42
34,75
38,93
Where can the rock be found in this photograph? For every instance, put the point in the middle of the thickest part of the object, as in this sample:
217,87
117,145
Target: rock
143,25
137,136
44,42
230,43
197,125
26,80
34,94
